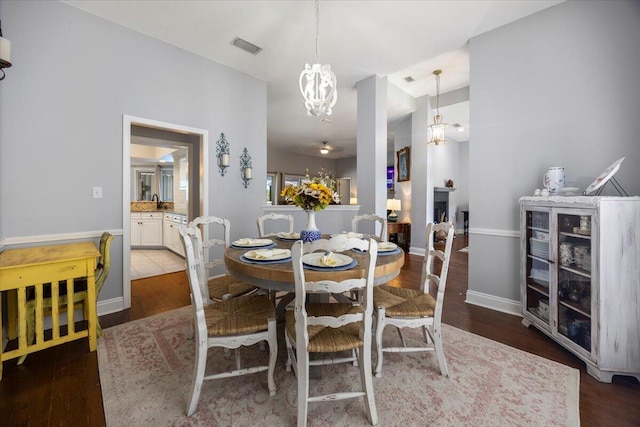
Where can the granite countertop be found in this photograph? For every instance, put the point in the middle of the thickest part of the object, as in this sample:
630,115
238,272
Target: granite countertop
151,207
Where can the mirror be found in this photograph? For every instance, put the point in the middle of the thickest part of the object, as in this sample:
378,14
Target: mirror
149,180
144,184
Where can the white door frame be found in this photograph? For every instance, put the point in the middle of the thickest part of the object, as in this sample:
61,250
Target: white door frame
127,121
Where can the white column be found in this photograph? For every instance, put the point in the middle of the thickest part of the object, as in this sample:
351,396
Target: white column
420,188
372,146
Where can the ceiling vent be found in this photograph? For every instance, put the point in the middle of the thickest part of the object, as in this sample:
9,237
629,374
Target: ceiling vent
409,79
246,46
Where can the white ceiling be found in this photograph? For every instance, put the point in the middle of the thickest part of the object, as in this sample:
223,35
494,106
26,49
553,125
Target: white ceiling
392,39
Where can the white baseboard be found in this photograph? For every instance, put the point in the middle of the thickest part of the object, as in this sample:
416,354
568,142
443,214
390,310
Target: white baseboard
109,306
413,250
494,303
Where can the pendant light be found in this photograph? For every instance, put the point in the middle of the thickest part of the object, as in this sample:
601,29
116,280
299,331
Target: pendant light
324,149
437,128
318,83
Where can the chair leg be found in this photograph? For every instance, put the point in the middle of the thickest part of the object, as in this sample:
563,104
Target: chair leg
379,328
303,388
99,332
404,342
191,332
444,370
290,358
427,335
238,361
198,374
364,360
273,354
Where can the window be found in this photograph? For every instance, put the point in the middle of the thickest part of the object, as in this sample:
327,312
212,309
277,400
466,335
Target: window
166,184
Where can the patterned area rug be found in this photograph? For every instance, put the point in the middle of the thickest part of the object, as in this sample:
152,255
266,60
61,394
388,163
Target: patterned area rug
146,368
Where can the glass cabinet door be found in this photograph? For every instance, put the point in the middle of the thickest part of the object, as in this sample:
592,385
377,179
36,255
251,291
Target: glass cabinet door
538,265
574,277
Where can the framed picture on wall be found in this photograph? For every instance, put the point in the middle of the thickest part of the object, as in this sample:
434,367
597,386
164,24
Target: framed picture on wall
404,165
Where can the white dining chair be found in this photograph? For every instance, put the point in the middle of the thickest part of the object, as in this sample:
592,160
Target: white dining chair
279,218
331,327
230,324
212,237
416,308
356,220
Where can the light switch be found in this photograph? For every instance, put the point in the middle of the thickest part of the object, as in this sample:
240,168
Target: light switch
97,192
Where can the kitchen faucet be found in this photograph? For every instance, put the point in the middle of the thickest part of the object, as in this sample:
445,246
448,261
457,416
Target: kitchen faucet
158,202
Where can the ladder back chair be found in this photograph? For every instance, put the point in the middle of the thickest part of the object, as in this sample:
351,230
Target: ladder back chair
79,295
213,235
331,327
416,308
263,219
382,237
230,324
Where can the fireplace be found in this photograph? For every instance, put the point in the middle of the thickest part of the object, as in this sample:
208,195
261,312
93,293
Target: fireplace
441,203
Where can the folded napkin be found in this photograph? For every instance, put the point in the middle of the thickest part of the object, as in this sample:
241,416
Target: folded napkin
252,242
328,260
289,235
351,235
386,245
267,253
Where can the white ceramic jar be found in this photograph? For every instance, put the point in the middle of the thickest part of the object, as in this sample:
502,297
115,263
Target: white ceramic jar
554,179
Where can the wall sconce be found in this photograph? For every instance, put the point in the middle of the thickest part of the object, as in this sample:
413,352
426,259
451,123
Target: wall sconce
245,167
5,53
222,154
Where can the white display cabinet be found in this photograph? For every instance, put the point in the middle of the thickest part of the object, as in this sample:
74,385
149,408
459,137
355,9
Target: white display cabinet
580,278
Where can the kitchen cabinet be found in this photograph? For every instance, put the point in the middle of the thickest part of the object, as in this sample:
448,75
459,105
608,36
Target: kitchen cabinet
580,278
146,229
171,232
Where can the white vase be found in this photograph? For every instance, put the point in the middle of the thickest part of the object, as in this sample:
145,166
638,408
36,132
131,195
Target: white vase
311,231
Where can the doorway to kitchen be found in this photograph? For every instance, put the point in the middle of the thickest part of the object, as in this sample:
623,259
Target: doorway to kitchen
191,178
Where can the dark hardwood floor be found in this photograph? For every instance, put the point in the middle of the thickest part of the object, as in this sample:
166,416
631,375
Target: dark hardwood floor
61,386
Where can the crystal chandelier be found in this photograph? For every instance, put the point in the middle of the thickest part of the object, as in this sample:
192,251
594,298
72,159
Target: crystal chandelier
437,128
318,83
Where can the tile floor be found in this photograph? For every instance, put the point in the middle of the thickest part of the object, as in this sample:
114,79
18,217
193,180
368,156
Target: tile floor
154,262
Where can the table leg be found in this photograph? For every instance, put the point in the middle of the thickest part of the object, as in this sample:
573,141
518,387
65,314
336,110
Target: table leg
282,305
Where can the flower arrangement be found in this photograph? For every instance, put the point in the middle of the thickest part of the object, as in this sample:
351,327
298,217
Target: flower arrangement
313,193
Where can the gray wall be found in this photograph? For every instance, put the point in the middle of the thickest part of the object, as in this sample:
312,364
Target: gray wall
74,76
558,88
287,162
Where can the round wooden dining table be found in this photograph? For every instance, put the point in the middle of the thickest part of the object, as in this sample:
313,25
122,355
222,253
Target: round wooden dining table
279,277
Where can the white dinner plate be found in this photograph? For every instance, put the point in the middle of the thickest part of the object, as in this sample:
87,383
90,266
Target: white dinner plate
254,255
570,191
387,246
604,177
315,260
252,243
350,235
288,236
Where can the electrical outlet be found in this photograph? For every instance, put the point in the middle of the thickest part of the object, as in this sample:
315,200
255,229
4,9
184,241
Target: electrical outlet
97,192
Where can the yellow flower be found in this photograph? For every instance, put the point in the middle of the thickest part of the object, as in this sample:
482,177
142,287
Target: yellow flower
314,193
